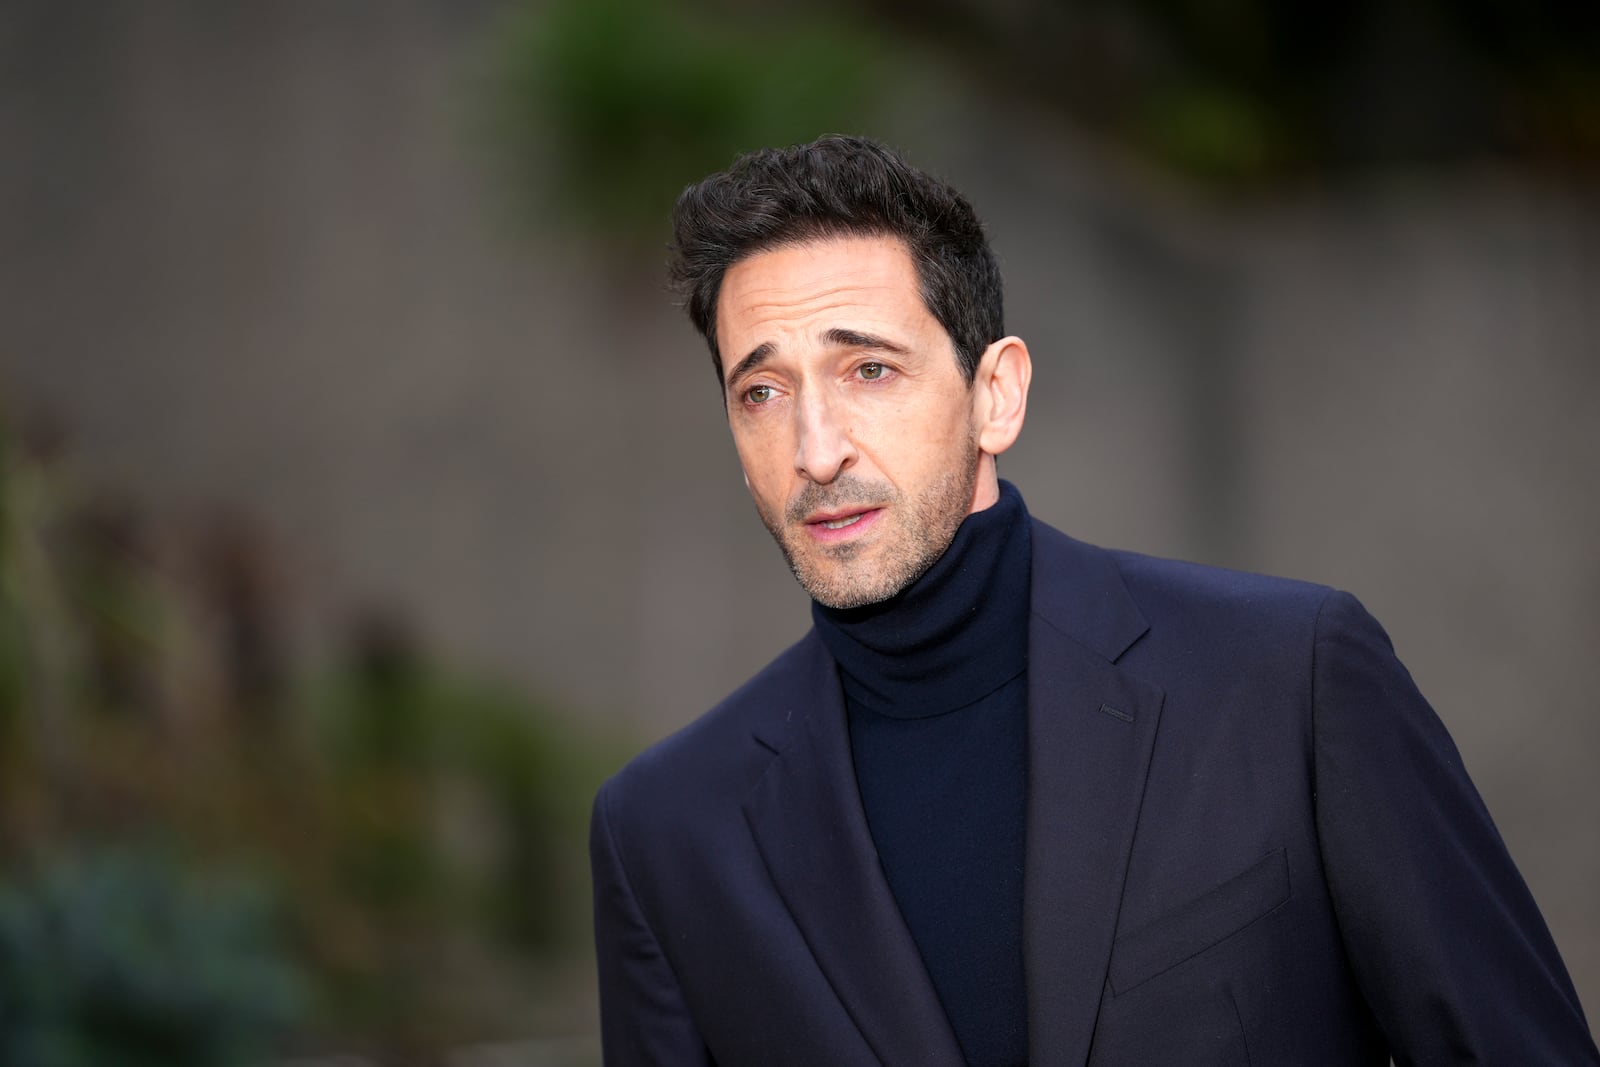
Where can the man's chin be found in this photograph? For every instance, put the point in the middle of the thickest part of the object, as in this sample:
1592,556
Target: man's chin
843,598
842,586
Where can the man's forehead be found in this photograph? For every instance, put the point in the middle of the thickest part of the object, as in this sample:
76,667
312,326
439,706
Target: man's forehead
850,256
813,278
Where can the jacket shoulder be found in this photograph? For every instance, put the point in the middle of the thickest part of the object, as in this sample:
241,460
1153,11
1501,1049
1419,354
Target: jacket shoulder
725,748
1170,586
1113,599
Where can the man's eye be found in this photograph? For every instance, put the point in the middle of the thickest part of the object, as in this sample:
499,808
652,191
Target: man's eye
871,371
758,394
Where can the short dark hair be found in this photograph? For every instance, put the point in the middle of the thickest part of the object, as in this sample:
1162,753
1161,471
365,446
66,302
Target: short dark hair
839,186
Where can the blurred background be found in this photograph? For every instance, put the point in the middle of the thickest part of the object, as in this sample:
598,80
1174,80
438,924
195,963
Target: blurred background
365,500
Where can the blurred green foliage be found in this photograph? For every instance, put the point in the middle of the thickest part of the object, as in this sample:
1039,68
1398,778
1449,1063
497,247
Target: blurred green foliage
1238,94
423,832
620,103
454,817
126,957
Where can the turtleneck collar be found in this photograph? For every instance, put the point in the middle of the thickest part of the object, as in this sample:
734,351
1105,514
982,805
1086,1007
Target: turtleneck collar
951,637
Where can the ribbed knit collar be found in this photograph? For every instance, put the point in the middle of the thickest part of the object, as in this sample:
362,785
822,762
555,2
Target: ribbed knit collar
953,636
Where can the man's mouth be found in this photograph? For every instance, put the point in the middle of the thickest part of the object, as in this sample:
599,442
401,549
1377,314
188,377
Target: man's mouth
826,527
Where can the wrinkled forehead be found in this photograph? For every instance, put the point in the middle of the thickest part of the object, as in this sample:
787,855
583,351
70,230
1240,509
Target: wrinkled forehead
802,282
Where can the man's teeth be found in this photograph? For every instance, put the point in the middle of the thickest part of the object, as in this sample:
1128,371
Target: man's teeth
839,524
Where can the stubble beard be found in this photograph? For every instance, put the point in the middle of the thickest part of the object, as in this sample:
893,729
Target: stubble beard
853,574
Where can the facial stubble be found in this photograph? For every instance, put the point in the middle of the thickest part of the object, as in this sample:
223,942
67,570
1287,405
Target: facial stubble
855,573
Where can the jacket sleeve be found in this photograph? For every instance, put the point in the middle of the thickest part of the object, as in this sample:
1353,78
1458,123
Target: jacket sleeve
1441,931
643,1019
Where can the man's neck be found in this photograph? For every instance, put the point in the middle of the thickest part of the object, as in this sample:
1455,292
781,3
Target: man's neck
952,636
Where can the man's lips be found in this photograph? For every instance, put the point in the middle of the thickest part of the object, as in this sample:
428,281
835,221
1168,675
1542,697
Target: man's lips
827,526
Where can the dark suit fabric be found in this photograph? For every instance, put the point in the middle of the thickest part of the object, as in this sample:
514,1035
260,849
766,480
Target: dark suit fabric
1249,841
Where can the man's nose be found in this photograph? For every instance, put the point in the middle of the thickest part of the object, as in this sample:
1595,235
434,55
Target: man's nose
825,447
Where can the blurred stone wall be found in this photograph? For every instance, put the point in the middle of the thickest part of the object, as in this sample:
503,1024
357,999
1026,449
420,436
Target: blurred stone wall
251,257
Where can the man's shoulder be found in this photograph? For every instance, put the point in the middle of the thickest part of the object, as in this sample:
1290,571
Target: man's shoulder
1159,579
1144,573
727,747
1179,595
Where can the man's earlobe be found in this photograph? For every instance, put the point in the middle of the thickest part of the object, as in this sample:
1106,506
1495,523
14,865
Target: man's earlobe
1004,373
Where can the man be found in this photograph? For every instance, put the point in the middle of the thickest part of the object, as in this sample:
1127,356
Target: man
1016,799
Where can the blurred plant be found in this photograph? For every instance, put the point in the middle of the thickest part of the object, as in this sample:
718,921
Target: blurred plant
1239,94
535,778
104,558
238,576
450,793
622,102
125,957
384,746
629,99
39,645
13,635
427,830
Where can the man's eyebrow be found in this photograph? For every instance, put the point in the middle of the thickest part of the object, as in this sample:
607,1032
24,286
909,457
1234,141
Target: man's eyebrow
758,355
837,335
856,339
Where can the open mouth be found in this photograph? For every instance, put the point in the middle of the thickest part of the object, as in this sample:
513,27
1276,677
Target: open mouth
835,527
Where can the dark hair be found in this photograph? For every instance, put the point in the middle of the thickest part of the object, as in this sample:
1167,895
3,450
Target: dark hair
838,186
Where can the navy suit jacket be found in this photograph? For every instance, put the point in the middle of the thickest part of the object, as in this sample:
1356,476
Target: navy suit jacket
1249,840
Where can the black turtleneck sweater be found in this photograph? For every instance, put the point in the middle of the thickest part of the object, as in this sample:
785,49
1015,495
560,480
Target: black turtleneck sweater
935,684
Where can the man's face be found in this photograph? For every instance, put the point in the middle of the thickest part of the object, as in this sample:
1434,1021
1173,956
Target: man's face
853,422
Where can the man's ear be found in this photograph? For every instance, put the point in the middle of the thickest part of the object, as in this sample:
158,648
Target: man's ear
1000,393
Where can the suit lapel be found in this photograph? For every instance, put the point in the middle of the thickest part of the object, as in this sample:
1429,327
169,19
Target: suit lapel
806,815
1091,730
